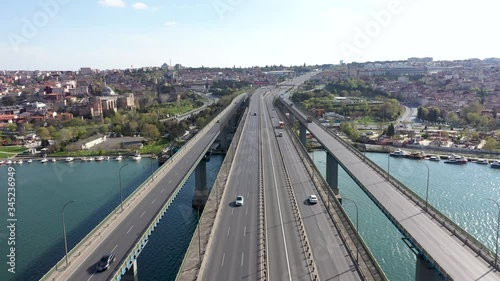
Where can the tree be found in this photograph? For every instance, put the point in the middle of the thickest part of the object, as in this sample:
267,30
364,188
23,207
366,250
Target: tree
390,130
151,132
490,144
8,101
12,127
43,133
452,118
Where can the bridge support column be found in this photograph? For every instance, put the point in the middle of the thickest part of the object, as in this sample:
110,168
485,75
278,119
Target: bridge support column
201,191
223,139
332,172
302,134
425,271
131,274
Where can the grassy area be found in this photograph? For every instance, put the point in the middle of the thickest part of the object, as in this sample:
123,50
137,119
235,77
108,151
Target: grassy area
154,148
10,151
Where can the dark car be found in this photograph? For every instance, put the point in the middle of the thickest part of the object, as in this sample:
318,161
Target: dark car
105,262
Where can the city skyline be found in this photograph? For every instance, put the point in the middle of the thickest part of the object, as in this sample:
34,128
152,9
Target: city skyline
109,34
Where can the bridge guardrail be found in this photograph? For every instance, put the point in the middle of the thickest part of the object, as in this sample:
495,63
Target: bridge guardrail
483,251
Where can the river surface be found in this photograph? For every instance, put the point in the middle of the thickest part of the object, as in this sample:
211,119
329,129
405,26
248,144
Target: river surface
42,190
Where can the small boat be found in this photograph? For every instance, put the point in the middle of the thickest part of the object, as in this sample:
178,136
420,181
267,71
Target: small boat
495,164
456,159
398,153
53,159
435,158
69,159
44,160
19,162
136,157
9,162
29,161
91,158
107,158
482,161
416,155
3,162
118,158
99,158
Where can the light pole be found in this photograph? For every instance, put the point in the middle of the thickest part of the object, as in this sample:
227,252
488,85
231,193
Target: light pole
64,231
357,227
427,188
498,228
388,164
121,192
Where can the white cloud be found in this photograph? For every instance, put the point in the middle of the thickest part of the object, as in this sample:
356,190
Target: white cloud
112,3
140,6
170,23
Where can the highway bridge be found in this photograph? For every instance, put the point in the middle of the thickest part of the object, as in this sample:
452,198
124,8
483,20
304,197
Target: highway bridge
444,251
126,230
276,234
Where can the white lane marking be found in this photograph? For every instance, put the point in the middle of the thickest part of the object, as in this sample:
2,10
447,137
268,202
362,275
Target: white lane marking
114,248
232,211
130,229
223,256
91,276
162,190
246,212
143,214
245,231
229,228
170,181
242,258
153,201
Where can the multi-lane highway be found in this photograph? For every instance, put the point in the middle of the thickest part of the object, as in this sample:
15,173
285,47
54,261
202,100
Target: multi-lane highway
233,254
329,252
454,256
122,232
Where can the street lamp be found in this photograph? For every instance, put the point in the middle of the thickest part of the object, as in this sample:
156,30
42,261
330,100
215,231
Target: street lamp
357,227
427,188
388,164
498,228
64,231
121,192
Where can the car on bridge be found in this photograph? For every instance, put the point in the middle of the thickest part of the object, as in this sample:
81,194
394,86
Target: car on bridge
105,262
313,199
239,200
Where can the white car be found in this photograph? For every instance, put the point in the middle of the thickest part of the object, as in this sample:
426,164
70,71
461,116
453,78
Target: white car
239,200
313,199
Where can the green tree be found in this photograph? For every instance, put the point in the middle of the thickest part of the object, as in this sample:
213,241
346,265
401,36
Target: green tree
43,133
490,144
390,130
151,132
12,127
452,118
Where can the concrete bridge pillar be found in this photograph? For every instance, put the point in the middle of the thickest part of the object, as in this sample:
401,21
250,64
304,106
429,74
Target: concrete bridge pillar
302,134
332,172
201,191
223,138
131,274
425,271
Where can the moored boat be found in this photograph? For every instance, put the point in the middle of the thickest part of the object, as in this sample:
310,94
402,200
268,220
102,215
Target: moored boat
136,157
435,158
99,158
495,165
44,160
29,161
398,153
69,159
19,161
456,159
118,158
482,161
54,160
416,155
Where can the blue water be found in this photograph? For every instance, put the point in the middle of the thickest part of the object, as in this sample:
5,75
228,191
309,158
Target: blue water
42,190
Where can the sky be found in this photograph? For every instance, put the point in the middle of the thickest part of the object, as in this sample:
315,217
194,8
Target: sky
118,34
